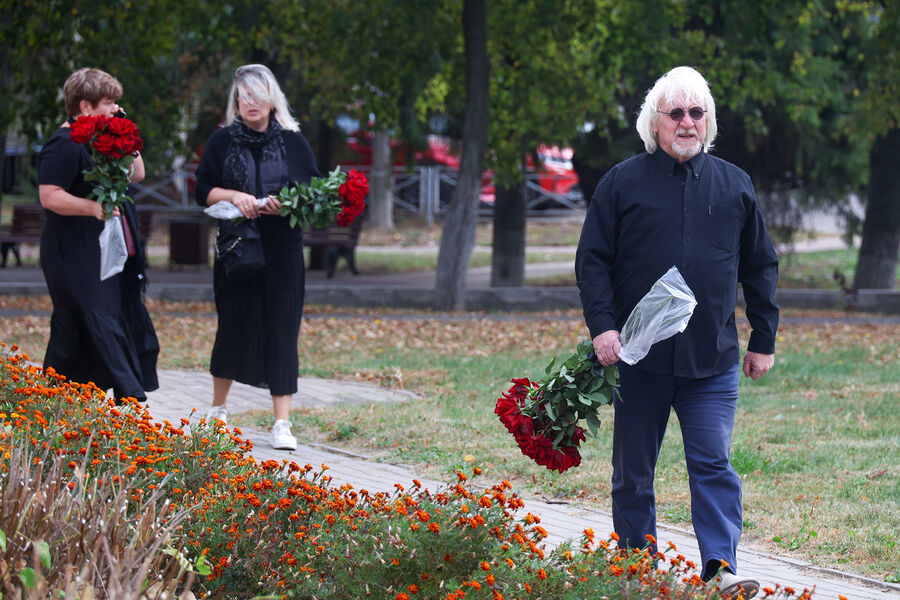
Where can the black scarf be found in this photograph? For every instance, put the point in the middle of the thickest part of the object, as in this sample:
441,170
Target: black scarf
249,146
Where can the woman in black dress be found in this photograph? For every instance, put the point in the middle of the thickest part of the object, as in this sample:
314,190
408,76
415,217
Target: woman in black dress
100,331
258,152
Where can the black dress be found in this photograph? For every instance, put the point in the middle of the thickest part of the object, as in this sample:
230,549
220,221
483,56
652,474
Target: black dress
259,318
100,331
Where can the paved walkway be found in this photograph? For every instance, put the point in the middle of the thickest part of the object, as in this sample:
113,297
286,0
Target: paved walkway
182,391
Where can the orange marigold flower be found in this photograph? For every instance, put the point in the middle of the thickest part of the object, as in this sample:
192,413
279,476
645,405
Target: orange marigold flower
542,574
395,561
768,591
413,588
485,566
490,579
651,539
461,476
401,596
434,527
614,536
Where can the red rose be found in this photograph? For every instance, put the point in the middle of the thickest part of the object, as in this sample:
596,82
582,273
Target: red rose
122,127
83,129
529,431
353,191
128,145
105,144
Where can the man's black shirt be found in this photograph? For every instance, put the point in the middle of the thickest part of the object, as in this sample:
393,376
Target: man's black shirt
649,213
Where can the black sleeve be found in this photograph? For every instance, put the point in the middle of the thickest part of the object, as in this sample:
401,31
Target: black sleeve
59,163
595,256
209,172
758,274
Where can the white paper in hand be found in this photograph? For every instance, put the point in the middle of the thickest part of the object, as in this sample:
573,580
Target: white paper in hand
113,252
227,210
664,311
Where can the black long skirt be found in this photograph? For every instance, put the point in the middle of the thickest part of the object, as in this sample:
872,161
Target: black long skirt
259,318
100,331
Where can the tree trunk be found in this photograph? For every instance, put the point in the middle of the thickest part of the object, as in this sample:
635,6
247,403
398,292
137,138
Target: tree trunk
325,143
2,163
381,184
877,265
458,237
508,253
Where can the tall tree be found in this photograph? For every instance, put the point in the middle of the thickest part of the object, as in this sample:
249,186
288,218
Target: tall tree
374,60
879,117
458,236
46,41
552,67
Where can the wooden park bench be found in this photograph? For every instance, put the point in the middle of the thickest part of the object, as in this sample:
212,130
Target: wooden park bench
28,220
328,244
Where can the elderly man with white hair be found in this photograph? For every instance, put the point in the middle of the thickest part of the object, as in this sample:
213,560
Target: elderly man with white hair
678,205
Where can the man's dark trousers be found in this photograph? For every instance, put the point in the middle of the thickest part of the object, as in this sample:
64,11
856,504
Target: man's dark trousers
705,409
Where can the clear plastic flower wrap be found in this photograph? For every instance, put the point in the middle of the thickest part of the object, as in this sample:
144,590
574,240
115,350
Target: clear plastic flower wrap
113,250
663,311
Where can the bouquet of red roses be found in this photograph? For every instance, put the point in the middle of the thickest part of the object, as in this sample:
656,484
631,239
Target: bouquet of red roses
340,196
114,142
543,418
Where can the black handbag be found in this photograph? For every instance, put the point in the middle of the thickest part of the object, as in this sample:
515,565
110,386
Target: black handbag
239,249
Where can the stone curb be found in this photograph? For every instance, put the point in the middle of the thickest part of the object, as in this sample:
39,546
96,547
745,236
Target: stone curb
493,299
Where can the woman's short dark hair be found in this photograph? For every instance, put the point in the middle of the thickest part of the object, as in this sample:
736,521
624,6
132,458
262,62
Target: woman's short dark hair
92,85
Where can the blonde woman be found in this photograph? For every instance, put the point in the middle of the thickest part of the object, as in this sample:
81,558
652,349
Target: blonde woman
259,150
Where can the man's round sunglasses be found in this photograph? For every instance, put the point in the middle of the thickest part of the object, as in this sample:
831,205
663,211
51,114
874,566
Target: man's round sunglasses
677,114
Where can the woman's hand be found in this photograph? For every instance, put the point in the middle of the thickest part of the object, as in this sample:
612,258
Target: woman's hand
100,214
246,203
272,206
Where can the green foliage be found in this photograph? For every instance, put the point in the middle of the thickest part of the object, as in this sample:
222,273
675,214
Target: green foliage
313,205
551,66
572,392
44,42
112,176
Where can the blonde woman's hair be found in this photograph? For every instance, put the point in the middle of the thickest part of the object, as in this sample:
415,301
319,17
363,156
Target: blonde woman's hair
258,82
679,83
92,85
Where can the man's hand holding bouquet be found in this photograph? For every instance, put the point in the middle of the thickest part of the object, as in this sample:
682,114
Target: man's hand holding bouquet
544,418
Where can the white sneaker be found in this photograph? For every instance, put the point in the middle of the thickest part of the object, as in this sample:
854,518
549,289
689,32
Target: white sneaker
734,585
217,412
281,436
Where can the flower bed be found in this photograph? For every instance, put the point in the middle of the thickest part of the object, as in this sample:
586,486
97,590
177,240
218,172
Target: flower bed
196,513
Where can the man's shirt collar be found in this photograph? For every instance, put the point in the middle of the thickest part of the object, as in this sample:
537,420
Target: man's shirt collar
669,165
